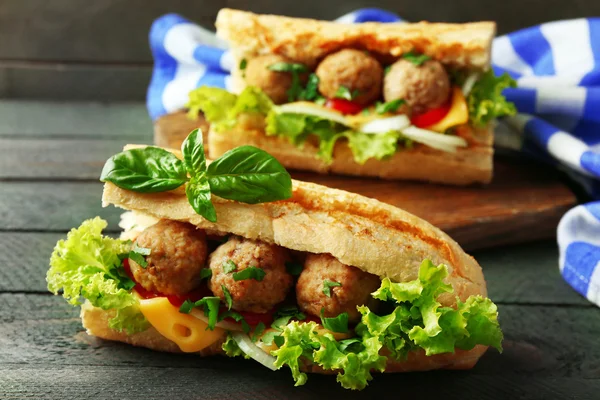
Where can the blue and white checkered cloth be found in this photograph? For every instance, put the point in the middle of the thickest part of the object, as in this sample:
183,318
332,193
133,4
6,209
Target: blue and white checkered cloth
556,65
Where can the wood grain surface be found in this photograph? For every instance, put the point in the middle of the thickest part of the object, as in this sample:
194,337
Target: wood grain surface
77,50
551,333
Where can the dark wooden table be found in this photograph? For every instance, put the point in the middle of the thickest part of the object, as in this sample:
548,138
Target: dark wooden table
50,157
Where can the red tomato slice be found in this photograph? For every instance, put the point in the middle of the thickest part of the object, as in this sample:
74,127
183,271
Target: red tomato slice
430,117
344,106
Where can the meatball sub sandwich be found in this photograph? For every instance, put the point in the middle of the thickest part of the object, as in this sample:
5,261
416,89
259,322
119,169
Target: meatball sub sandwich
397,101
235,258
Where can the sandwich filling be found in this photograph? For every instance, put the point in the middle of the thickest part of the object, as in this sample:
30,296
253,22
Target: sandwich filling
375,104
210,292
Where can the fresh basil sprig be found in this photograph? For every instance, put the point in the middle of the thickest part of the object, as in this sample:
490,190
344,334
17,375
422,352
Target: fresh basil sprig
246,174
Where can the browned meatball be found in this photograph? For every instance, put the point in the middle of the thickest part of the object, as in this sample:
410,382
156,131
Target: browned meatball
274,84
355,70
250,294
178,252
355,287
422,87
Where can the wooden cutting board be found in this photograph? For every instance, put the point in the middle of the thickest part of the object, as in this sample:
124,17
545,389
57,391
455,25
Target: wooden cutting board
523,203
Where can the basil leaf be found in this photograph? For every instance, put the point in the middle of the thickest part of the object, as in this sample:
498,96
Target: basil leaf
390,106
257,274
249,175
229,266
338,324
198,194
294,268
205,273
227,295
327,285
193,153
147,170
416,58
288,67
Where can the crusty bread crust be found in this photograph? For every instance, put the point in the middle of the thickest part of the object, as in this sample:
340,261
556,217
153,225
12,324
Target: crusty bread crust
468,165
95,321
376,237
307,40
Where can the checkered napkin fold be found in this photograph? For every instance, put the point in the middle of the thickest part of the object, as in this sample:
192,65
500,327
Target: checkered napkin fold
556,66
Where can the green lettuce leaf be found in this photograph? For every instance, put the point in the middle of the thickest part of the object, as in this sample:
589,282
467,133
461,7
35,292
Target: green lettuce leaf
419,320
486,101
221,107
215,103
231,348
87,265
365,146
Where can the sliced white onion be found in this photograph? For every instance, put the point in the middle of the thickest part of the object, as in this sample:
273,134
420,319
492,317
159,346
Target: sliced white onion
304,107
253,351
469,83
435,140
227,325
385,125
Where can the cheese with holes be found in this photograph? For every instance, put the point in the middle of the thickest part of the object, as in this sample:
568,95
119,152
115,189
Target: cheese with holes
189,333
457,115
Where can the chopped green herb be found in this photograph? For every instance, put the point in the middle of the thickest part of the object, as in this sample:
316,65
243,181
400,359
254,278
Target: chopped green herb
288,67
258,274
229,266
327,285
344,93
205,273
186,307
389,107
279,340
310,92
268,337
227,295
294,268
386,70
243,64
416,58
337,324
344,344
138,258
291,311
210,305
258,330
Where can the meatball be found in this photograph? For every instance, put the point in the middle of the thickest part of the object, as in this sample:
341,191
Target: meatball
356,70
274,84
178,252
423,87
250,294
354,290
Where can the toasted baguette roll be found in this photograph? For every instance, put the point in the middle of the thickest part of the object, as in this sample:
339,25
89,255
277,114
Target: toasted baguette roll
468,165
373,236
307,41
95,321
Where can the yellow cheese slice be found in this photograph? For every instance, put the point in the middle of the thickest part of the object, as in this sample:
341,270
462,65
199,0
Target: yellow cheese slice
458,114
189,333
